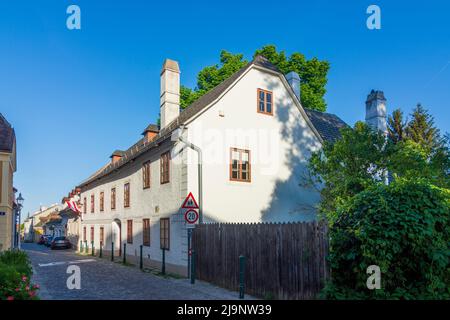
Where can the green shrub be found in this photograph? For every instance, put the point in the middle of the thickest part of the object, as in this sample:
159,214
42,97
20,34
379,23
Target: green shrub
18,259
15,272
404,228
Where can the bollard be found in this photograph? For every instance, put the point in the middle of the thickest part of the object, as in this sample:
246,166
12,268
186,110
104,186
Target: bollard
112,251
163,269
124,253
92,245
141,262
86,248
81,246
193,253
101,250
241,276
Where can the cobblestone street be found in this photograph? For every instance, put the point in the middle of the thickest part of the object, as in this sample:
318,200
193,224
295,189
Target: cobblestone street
105,280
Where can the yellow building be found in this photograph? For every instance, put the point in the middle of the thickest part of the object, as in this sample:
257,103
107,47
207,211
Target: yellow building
7,169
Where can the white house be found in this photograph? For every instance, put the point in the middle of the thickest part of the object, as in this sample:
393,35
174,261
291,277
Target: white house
255,139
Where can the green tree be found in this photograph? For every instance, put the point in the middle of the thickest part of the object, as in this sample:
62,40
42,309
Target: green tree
396,126
313,75
211,76
348,166
421,129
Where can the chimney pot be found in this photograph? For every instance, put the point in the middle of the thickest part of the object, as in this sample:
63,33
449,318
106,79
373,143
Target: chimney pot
170,92
294,80
376,111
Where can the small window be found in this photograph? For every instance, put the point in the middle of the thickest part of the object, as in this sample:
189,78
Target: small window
102,201
130,231
92,203
113,198
126,195
240,168
84,233
85,205
146,232
265,102
146,175
92,234
164,225
102,235
165,167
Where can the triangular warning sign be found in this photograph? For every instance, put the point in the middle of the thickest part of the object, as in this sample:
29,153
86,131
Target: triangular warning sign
190,202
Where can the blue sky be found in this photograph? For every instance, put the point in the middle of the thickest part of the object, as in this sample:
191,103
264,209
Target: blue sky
75,96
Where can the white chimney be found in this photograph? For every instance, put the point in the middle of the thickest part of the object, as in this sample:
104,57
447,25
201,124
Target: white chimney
294,80
170,92
376,111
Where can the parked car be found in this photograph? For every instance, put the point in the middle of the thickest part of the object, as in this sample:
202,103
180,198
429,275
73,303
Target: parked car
48,241
42,239
61,243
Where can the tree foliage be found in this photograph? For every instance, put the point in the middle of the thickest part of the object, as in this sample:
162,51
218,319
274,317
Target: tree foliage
403,228
313,75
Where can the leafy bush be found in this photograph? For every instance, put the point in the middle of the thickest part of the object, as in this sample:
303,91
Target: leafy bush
15,272
404,228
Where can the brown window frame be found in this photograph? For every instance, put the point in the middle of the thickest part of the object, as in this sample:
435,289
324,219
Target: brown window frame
84,234
126,195
92,203
113,198
102,235
265,102
164,167
130,231
85,205
164,233
102,201
239,171
146,232
92,233
146,175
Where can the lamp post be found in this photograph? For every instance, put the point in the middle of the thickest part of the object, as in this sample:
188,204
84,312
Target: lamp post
20,201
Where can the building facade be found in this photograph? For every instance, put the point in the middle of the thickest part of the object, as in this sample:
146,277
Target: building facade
7,169
255,138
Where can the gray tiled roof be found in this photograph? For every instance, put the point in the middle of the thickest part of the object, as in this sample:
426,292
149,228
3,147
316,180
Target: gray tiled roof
7,135
322,121
327,124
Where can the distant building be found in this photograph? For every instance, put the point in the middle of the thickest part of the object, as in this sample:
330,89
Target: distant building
7,168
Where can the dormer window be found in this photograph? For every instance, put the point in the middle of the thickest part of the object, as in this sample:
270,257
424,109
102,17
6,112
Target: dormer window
265,102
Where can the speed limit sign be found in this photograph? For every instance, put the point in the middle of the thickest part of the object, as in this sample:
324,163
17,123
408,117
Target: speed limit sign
191,216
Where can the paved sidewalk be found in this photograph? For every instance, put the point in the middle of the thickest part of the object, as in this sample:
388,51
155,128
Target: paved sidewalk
102,279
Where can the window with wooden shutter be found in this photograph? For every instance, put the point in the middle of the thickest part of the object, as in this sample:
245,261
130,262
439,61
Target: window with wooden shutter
165,167
92,203
126,195
164,225
113,198
265,102
146,175
102,235
130,231
102,201
146,232
240,168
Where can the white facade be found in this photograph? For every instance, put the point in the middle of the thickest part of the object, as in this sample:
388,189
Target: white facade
279,145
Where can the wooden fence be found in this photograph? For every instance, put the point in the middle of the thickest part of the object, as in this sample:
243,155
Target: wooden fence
283,261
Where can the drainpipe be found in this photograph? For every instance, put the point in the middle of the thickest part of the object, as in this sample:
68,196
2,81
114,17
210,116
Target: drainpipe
178,137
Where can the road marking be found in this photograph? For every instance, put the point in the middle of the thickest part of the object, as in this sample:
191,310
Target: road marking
51,264
81,261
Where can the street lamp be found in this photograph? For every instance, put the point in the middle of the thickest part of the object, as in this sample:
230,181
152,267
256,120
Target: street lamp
20,201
